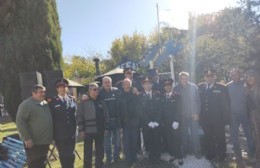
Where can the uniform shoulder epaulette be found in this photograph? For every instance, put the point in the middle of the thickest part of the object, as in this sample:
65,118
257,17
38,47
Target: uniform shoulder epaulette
221,84
202,84
229,83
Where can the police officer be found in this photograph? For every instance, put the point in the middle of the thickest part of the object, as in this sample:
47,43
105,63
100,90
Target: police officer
214,115
150,109
153,73
63,108
172,120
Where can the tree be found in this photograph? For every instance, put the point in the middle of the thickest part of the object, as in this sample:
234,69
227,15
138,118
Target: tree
128,48
29,41
81,69
221,40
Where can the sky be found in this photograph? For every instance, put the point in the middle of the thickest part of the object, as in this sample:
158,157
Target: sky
90,26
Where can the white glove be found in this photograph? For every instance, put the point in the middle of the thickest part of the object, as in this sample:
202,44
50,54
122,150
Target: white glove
156,124
151,124
175,125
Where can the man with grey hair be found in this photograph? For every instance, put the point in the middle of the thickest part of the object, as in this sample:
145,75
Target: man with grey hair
92,121
129,120
112,137
239,115
190,110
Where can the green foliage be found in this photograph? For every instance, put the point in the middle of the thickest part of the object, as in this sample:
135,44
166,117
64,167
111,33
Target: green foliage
79,67
220,40
128,48
29,41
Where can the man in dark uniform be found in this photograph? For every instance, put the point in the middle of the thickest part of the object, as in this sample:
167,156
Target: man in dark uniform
151,112
171,119
214,115
63,108
157,82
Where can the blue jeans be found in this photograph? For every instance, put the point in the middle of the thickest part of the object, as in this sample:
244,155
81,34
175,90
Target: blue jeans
112,144
243,119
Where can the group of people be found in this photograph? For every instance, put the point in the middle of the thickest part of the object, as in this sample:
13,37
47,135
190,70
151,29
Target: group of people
145,117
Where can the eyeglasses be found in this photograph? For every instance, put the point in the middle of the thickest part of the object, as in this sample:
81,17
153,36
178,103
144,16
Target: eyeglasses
94,89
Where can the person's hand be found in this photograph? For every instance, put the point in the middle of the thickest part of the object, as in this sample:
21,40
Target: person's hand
84,97
151,124
82,134
28,143
156,124
135,91
175,125
195,117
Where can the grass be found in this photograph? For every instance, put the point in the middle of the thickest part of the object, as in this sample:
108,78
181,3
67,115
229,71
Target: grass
7,128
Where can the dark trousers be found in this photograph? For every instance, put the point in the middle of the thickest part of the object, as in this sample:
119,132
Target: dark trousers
37,156
215,141
130,139
66,149
174,144
152,142
99,150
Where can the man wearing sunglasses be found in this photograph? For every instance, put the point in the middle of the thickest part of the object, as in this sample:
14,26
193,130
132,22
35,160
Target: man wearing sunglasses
92,121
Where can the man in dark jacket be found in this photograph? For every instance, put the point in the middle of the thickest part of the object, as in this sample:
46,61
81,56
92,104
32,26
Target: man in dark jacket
92,121
190,109
112,138
129,120
172,121
151,112
153,73
63,108
214,115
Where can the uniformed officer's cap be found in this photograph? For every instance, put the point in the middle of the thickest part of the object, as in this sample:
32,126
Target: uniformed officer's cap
209,72
127,69
168,81
146,79
62,82
152,72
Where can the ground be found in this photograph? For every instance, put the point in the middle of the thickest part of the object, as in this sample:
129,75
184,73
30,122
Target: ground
7,128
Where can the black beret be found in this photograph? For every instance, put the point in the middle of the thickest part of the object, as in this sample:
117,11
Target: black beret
209,72
152,72
62,82
146,79
127,69
168,81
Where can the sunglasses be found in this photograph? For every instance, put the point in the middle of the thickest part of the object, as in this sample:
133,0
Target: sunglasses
94,89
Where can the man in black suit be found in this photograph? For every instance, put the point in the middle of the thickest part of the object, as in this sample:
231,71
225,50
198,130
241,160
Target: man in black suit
171,119
63,108
153,73
214,115
151,112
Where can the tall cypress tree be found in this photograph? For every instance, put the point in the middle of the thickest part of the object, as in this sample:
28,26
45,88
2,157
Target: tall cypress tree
29,41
